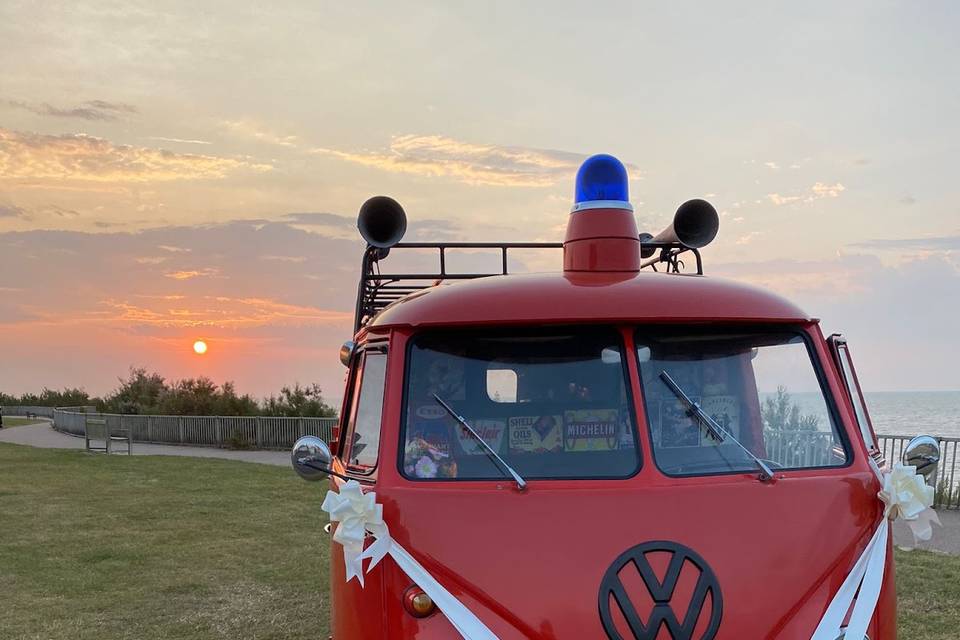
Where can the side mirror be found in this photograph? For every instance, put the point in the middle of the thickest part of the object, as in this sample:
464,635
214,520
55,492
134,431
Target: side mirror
923,452
346,352
311,458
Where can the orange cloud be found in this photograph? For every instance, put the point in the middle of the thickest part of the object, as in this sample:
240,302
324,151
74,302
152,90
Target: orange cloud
221,312
252,130
188,275
77,156
479,164
816,192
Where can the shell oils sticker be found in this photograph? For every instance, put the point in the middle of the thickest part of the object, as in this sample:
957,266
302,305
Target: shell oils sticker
591,430
490,430
536,434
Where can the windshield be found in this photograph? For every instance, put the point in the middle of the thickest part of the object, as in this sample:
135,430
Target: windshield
552,404
761,387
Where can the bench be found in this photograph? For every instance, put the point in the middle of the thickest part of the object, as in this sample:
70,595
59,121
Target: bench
97,429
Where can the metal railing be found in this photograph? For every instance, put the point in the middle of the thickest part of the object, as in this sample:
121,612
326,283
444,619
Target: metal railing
24,410
946,480
241,432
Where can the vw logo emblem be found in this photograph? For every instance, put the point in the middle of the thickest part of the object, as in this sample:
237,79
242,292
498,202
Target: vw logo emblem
666,609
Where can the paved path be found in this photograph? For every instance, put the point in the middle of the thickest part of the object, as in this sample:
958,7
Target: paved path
43,435
946,538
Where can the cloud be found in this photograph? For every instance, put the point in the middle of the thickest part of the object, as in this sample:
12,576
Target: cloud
249,129
220,311
818,191
821,190
179,140
780,200
772,165
320,219
77,156
191,274
932,243
93,110
12,211
749,237
295,259
908,199
172,249
476,164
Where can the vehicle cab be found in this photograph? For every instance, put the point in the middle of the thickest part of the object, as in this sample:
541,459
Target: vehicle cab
618,449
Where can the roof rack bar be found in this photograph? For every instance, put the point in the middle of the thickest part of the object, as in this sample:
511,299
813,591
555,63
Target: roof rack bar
378,290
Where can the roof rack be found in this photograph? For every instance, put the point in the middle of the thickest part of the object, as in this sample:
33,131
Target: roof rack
378,290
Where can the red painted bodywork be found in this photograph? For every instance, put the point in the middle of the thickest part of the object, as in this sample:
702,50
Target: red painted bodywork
529,564
602,240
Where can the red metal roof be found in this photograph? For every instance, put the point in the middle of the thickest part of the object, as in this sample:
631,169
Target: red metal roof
585,297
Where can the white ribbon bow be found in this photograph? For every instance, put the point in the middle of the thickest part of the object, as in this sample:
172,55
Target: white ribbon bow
357,514
905,495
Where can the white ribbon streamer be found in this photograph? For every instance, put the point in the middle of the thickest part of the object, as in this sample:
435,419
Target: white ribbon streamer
357,514
905,495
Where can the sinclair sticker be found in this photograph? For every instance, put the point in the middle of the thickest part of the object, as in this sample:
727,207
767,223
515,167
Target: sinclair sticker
591,430
536,434
490,430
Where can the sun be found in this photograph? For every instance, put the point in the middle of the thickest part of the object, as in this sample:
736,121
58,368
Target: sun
200,347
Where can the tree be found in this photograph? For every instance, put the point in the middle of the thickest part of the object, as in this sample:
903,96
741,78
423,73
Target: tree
143,392
139,393
298,401
68,397
782,414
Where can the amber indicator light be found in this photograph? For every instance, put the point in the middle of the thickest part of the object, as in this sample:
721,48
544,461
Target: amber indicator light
417,603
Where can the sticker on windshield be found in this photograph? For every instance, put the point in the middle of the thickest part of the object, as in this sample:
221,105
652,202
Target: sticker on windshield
591,430
725,411
490,430
677,428
536,434
427,453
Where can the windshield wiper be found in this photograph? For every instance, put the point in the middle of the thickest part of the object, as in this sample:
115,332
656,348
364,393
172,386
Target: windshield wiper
521,483
712,427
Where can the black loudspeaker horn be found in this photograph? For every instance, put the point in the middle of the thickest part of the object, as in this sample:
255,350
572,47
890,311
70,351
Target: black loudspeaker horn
695,225
382,222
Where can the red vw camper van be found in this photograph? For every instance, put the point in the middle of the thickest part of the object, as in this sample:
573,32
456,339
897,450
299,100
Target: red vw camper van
624,448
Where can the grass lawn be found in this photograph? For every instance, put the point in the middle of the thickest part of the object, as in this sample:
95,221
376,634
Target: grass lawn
9,421
157,547
103,548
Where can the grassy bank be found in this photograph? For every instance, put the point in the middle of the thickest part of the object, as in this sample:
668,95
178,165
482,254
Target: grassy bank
9,421
152,547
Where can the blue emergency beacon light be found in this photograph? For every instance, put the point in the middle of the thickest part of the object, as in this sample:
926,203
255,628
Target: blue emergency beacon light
602,184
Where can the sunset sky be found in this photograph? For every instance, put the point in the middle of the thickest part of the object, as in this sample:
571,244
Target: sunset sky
179,171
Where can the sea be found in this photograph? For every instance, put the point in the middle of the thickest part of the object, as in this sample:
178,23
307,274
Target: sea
896,413
910,413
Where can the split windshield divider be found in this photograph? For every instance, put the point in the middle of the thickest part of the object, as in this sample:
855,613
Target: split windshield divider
711,425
